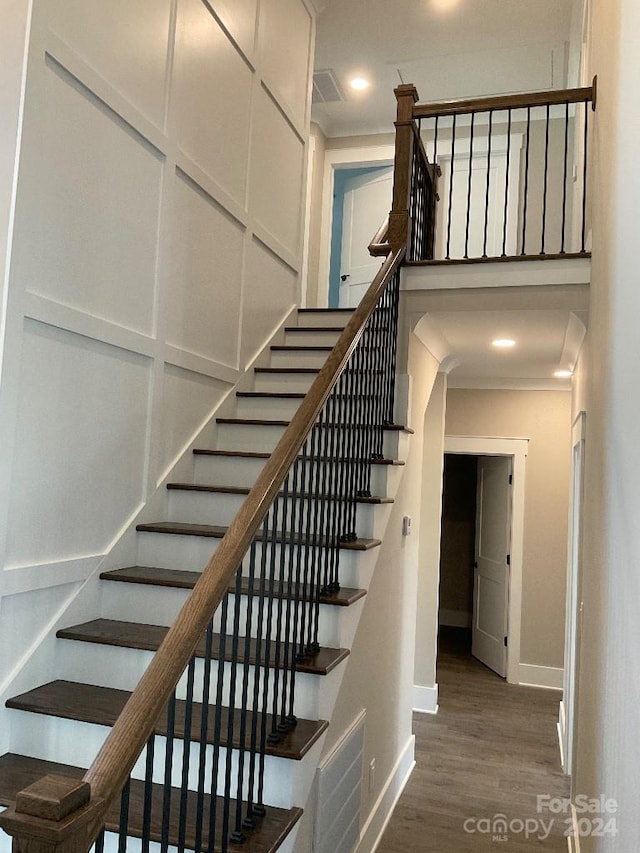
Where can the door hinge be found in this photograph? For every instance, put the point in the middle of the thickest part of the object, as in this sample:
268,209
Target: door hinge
505,641
508,559
511,479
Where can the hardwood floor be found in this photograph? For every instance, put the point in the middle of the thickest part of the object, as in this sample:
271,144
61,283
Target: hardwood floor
490,750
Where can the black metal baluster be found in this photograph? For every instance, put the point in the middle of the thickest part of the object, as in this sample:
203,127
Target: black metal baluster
506,187
311,463
186,755
217,727
466,232
244,707
254,810
312,647
148,795
546,183
124,817
204,736
233,680
584,178
99,845
273,546
487,192
278,603
526,183
168,772
453,152
299,591
565,173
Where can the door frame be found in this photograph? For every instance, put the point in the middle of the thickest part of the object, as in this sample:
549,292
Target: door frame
517,449
342,158
568,711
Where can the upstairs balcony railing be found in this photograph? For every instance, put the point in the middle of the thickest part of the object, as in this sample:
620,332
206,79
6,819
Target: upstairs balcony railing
499,178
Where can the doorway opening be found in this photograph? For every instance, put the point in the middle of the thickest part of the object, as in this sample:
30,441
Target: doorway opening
475,555
481,549
361,200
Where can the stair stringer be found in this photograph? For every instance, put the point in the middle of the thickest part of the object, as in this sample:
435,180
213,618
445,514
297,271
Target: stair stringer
82,601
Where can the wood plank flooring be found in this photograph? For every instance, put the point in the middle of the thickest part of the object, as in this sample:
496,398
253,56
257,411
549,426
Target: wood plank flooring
491,749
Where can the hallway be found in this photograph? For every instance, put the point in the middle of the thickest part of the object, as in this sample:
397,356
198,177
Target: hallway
490,750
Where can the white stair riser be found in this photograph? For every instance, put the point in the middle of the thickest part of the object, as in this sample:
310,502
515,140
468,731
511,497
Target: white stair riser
192,553
263,437
298,358
238,471
323,318
278,382
220,508
48,738
114,666
311,337
267,407
160,606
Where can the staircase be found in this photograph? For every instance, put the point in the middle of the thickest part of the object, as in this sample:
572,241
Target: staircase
58,727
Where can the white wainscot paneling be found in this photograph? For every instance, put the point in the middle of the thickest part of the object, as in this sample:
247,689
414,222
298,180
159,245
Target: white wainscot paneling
211,98
276,174
239,17
88,203
126,43
269,292
285,33
187,403
23,617
80,445
204,277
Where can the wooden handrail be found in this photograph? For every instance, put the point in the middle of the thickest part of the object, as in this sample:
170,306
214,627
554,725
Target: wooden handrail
505,102
135,725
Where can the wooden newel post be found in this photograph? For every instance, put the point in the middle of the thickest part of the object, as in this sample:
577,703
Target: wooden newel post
398,232
54,815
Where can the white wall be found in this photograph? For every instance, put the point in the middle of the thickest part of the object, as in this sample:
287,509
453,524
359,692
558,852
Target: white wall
157,245
608,753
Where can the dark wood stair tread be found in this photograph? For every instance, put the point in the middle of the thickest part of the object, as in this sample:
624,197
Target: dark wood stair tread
216,531
136,635
278,422
260,454
102,706
301,370
19,771
303,348
244,490
303,329
326,310
183,579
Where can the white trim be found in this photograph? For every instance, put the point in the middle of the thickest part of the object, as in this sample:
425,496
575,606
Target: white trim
425,699
342,158
562,732
380,815
546,677
573,840
342,740
518,449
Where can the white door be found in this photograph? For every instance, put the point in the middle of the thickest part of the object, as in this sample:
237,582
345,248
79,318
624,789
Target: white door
491,571
367,201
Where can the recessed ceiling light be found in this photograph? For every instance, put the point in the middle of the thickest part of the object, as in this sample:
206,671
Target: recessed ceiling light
359,83
563,374
503,343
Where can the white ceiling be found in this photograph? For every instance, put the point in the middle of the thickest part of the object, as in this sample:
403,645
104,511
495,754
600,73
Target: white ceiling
448,48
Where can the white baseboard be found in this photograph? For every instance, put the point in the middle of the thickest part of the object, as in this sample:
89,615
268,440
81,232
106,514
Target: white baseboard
455,618
573,840
547,677
373,830
562,734
425,699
